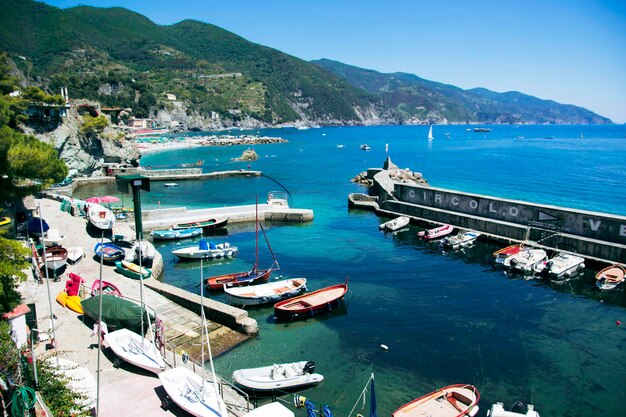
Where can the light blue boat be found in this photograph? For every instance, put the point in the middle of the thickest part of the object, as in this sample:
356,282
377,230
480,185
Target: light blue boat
169,234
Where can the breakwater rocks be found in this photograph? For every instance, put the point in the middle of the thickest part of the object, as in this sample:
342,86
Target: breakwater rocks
247,155
229,140
396,174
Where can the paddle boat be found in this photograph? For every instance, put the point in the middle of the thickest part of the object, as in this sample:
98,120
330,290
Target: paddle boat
209,224
462,239
100,217
72,302
109,252
52,238
132,270
436,233
395,224
278,376
265,293
307,305
206,250
525,260
37,226
56,257
500,255
610,277
452,401
563,264
135,349
497,410
170,234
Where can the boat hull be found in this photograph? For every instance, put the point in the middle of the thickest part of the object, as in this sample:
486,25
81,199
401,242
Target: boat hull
310,304
109,252
132,270
436,233
395,224
451,401
172,234
136,350
55,257
185,388
238,279
610,277
221,251
209,224
283,376
266,293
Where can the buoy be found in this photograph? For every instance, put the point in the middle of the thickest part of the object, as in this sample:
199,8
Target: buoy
384,347
618,322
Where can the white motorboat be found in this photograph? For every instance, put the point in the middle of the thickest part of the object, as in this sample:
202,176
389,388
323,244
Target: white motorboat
610,277
563,264
395,224
265,293
462,239
148,252
53,238
170,184
274,409
525,260
135,349
207,250
188,390
497,410
278,376
100,217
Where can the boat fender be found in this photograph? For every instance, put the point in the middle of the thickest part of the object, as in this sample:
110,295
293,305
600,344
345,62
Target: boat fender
308,368
299,401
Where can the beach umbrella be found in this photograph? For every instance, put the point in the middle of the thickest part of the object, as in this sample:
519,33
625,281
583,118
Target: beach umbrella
109,199
93,200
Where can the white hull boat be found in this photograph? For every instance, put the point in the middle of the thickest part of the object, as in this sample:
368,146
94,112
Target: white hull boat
148,252
563,264
274,409
198,398
464,238
101,217
265,293
55,257
75,254
525,260
135,350
283,376
395,224
53,238
497,410
221,250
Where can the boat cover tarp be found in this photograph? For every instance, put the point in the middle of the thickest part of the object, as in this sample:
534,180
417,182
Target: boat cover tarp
117,313
35,224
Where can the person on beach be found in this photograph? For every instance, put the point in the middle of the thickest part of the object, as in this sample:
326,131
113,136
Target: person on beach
103,330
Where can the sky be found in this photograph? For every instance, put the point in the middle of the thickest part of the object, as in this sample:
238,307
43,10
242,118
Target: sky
569,51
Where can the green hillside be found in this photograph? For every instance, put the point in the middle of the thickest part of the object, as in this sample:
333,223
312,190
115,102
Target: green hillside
415,97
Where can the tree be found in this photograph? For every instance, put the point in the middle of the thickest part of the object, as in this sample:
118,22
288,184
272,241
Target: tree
13,261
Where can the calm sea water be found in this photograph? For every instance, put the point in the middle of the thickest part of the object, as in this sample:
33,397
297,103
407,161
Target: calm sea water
447,317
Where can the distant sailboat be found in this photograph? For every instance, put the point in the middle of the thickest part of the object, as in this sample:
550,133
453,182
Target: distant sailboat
430,133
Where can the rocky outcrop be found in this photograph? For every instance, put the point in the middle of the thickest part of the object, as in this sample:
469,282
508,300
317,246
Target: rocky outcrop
394,173
248,155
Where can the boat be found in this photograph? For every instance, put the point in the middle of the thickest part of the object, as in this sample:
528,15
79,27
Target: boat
77,378
563,264
610,277
501,254
482,129
198,163
395,224
525,260
365,147
436,233
4,221
206,250
190,391
52,238
270,292
430,133
170,234
132,270
117,312
452,401
497,410
135,349
100,217
312,303
105,287
209,224
73,302
340,145
462,239
109,252
282,376
170,184
274,409
56,257
75,254
37,226
148,252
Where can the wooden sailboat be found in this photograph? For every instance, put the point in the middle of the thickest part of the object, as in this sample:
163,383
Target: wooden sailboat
254,276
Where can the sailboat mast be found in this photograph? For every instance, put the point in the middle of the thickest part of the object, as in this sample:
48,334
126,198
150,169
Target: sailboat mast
256,234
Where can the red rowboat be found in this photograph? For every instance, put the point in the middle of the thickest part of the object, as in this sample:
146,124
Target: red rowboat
452,401
437,232
501,254
312,303
238,279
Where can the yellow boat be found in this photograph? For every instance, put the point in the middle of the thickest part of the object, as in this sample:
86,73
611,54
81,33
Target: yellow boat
4,221
62,298
73,303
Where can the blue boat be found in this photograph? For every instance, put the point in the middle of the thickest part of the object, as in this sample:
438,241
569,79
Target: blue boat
170,234
109,252
37,226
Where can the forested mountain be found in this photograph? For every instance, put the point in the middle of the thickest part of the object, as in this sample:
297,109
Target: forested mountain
122,59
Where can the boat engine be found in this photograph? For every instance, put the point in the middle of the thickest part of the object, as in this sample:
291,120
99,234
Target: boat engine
308,367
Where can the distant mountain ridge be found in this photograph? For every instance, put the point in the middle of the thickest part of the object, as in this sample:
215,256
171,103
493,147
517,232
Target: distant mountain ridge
122,59
419,99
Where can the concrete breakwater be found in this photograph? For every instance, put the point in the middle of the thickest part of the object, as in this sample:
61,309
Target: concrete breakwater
601,236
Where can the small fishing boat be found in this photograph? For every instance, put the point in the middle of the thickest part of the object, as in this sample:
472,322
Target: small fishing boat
100,217
239,279
37,226
206,250
170,234
132,270
462,239
525,260
500,255
436,233
209,224
192,393
135,349
452,401
365,147
56,257
148,252
563,264
265,293
312,303
395,224
4,221
278,376
170,184
109,252
497,410
610,277
107,288
53,238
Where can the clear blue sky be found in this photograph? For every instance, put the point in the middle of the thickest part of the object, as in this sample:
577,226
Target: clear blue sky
570,51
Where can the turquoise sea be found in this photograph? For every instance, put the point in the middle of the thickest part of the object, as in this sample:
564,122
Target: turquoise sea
447,317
